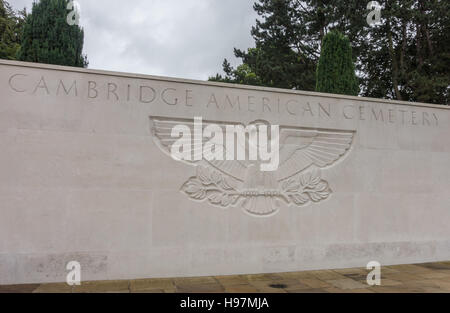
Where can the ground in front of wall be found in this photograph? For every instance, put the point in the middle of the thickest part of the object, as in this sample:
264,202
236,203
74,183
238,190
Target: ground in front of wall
426,277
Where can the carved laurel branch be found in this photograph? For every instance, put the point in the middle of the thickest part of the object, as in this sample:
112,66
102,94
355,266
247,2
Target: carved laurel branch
306,187
213,186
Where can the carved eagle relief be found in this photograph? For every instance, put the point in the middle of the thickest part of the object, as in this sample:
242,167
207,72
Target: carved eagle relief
303,152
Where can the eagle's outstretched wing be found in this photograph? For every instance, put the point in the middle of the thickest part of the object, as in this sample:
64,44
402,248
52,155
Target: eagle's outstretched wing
161,129
300,148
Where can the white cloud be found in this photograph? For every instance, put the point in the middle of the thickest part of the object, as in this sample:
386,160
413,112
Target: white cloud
179,38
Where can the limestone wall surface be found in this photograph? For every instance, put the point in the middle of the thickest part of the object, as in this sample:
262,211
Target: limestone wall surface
85,176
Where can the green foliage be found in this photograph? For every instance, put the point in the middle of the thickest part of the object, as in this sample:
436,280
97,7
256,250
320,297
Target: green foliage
275,61
48,38
11,25
279,66
405,57
241,75
335,70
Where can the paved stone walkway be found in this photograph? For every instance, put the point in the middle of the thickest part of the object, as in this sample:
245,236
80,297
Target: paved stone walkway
426,277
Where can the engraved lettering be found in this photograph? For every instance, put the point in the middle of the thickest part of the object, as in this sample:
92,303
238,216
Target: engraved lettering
391,116
414,118
141,94
213,100
361,113
171,95
92,87
288,108
188,97
40,85
232,104
436,118
346,115
308,109
425,118
163,96
112,90
250,103
324,110
379,116
67,92
11,81
266,103
403,116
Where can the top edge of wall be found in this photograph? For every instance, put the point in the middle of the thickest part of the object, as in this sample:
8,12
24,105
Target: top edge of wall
215,84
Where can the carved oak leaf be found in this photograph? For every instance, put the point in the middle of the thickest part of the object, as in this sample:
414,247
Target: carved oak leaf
316,188
222,199
291,185
226,185
299,198
216,178
310,179
203,175
216,197
320,192
194,189
211,185
306,187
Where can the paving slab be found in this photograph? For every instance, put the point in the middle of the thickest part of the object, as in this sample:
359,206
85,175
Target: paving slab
414,278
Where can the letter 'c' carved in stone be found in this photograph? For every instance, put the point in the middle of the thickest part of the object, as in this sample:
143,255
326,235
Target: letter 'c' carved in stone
11,83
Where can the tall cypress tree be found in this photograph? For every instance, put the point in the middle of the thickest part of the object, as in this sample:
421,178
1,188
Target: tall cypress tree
335,70
48,38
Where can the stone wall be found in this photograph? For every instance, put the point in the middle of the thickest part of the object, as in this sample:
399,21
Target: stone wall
84,177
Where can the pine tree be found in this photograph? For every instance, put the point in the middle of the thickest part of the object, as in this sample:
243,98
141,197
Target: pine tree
335,70
48,38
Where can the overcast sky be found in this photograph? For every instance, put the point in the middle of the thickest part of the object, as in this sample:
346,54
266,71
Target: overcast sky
177,38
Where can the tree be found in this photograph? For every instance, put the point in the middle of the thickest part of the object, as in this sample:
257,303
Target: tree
11,24
289,35
48,38
405,57
241,75
335,69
